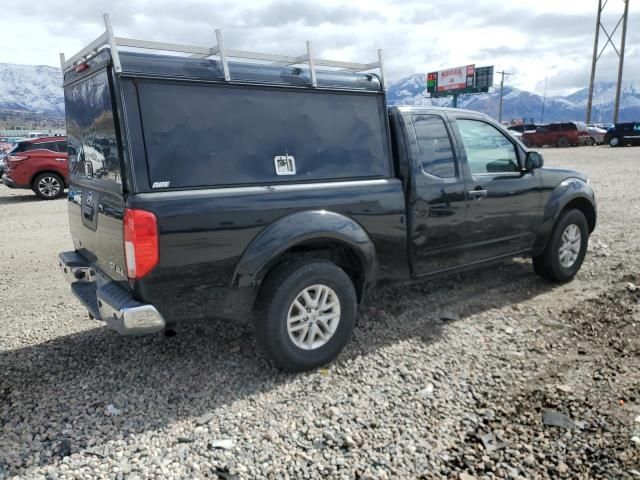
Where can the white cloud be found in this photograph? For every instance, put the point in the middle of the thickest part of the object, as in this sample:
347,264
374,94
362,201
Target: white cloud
533,40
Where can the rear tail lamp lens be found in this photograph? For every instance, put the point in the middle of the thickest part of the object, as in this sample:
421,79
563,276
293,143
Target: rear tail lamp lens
140,242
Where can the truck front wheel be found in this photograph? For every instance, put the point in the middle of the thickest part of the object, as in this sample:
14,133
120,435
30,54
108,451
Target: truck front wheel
565,250
306,313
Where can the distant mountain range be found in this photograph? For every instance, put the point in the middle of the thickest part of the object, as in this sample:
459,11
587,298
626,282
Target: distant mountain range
519,104
28,91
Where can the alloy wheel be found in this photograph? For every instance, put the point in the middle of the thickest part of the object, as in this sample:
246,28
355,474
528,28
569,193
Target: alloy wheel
570,243
313,317
49,186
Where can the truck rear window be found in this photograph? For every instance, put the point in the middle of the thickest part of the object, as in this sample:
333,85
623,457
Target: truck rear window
91,133
206,135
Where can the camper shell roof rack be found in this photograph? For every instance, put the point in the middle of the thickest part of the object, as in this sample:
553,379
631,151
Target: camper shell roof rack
108,39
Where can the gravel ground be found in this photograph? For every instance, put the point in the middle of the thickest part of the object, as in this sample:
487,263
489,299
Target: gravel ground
413,396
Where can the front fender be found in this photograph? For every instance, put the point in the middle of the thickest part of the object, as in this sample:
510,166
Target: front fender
568,191
287,232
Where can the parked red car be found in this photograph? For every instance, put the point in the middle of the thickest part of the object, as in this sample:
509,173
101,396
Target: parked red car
566,134
39,164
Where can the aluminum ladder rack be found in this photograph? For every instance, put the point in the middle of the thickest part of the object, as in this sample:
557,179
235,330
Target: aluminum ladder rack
109,39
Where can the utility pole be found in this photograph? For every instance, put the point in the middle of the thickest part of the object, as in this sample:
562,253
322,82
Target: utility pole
544,99
501,94
616,107
597,55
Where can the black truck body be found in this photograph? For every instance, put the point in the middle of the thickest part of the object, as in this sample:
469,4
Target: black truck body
248,177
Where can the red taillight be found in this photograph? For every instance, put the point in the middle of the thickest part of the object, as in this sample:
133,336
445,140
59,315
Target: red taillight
140,242
82,67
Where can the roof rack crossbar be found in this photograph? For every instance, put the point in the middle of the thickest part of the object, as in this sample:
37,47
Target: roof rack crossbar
223,56
312,66
108,39
112,43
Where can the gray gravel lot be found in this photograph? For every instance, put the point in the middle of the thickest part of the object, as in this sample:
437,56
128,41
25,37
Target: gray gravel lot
413,396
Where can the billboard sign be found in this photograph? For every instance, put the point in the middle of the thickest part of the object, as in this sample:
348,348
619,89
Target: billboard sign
484,78
432,81
459,80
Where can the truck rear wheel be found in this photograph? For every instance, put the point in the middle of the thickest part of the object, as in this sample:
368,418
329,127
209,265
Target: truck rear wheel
306,313
565,250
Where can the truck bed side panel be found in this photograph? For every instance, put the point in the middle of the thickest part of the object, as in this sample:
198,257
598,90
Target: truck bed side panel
203,234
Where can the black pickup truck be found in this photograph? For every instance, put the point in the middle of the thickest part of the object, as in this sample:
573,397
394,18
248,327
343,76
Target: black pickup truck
265,199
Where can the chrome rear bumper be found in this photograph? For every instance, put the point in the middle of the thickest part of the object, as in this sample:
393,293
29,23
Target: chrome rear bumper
106,300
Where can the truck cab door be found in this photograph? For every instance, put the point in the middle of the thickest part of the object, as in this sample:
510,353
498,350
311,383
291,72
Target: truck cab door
436,195
503,199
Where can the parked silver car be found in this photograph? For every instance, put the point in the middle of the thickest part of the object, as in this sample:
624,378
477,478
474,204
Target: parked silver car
597,134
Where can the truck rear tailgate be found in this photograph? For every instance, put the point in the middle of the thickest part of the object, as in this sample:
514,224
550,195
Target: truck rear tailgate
96,199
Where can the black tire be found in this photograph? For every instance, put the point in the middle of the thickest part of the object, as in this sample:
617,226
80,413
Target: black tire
562,142
615,142
277,295
48,186
547,264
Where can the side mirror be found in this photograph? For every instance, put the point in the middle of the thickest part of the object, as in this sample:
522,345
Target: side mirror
533,160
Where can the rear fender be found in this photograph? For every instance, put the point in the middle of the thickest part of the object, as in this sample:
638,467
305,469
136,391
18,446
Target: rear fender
299,228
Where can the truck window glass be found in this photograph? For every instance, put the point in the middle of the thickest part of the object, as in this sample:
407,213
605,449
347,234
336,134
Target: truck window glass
436,151
206,135
91,130
487,150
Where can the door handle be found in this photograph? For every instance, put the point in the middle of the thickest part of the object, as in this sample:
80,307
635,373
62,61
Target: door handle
477,194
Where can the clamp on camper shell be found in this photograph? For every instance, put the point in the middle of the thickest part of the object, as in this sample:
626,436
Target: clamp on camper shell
109,39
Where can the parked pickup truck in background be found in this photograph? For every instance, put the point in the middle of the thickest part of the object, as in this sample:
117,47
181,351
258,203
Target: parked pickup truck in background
265,199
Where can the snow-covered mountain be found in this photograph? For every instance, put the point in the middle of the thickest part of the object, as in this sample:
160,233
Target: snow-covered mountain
31,89
519,104
604,95
36,90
